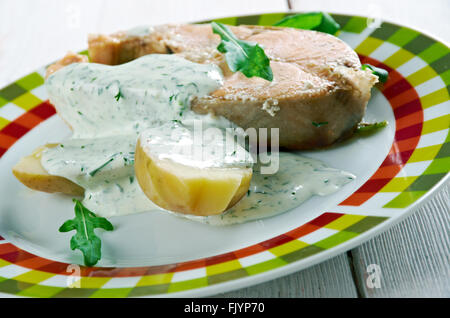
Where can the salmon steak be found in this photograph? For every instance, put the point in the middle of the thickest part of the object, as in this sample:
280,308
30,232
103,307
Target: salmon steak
318,95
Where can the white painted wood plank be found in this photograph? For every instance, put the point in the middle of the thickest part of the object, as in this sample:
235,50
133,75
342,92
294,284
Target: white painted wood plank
331,278
430,16
36,32
414,256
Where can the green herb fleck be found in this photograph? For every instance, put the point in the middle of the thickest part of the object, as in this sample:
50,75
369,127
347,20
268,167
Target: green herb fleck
247,57
85,222
320,124
119,95
120,187
93,172
382,74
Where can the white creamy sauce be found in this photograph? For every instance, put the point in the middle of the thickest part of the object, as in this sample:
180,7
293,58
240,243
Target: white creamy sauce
200,145
110,107
297,179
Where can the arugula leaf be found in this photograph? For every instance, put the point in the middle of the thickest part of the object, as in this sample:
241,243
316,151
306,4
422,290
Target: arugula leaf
318,21
85,239
380,72
366,128
247,57
320,124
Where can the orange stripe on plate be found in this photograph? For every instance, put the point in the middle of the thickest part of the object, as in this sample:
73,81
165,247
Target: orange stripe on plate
387,172
28,120
34,263
7,248
190,265
249,251
409,120
394,78
302,230
357,199
6,141
403,98
404,145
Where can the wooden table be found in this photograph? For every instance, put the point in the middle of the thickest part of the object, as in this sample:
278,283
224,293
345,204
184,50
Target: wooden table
413,256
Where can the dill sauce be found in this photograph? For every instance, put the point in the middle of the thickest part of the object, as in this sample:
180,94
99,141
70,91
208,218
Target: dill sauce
108,107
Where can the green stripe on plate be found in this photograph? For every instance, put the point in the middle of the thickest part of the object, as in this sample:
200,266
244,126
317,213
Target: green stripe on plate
424,153
223,277
271,19
265,266
437,97
366,224
403,36
250,20
419,44
188,284
398,58
3,101
439,165
301,253
335,239
229,21
355,25
341,19
421,76
434,52
385,31
149,290
442,65
368,46
404,199
31,81
444,152
12,286
11,92
436,124
111,293
40,291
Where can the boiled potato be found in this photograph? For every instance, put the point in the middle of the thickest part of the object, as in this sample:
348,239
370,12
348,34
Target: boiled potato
188,189
30,172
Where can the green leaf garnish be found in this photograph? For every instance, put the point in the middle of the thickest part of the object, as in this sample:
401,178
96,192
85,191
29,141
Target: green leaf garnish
85,222
320,124
380,72
366,128
247,57
318,21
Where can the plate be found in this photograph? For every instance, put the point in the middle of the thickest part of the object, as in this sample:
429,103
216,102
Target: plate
156,254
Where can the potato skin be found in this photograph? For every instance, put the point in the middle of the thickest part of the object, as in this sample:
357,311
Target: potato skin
30,172
190,190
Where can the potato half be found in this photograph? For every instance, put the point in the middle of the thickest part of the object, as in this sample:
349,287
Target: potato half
30,172
188,189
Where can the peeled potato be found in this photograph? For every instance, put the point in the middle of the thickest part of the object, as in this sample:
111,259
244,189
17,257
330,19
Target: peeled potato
188,189
30,172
